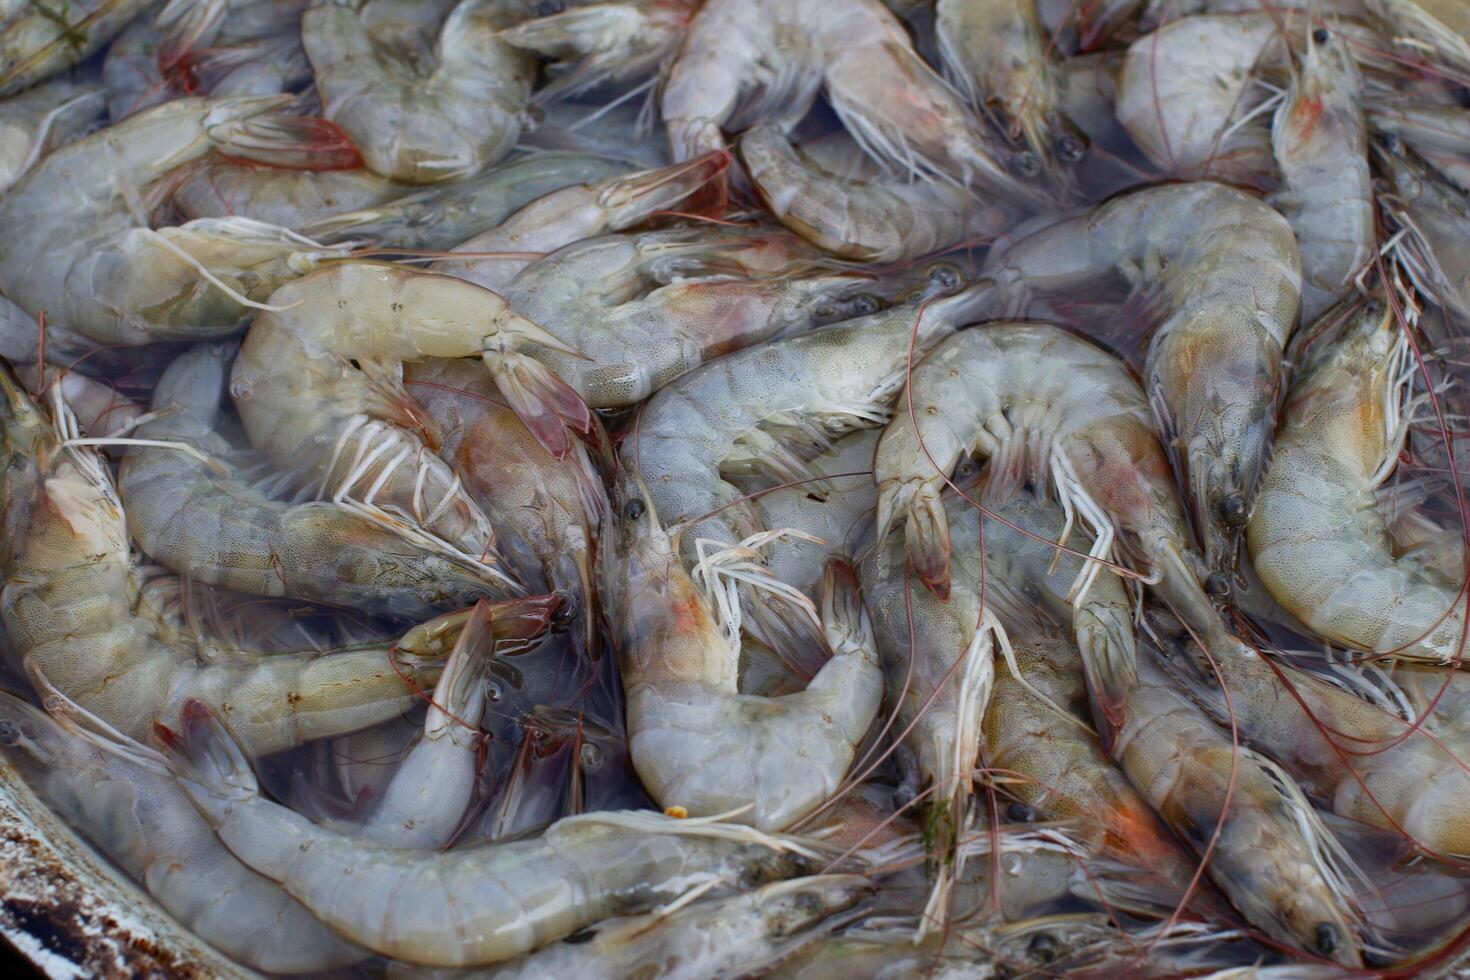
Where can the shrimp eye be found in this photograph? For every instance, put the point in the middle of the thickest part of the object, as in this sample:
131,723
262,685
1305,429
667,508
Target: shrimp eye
1389,142
1218,584
1320,36
1233,509
945,275
1044,947
864,305
9,732
591,756
494,692
635,509
967,468
1026,164
1328,938
1018,812
1070,148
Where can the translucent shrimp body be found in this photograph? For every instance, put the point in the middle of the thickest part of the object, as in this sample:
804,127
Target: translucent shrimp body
122,797
1223,271
318,385
290,198
224,531
1319,539
421,127
36,42
475,905
36,122
84,254
70,605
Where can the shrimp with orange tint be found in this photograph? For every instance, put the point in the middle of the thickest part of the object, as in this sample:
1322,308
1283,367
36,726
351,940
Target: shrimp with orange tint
318,385
574,213
546,511
1223,272
749,61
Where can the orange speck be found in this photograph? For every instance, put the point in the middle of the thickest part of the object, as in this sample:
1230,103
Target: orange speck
677,812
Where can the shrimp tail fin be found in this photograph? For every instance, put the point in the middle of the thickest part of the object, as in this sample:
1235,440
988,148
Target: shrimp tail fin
548,406
927,537
207,762
281,140
844,617
790,634
1109,666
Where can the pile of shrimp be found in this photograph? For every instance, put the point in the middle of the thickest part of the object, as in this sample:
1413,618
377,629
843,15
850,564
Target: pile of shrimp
722,488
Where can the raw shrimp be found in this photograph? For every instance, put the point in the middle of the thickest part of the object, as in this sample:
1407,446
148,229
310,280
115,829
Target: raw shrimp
85,256
873,219
735,936
38,40
696,741
289,198
1222,270
318,384
442,217
1271,853
620,42
474,905
1438,134
1321,145
446,119
638,310
198,514
614,132
575,213
998,55
1187,91
69,600
1435,218
39,121
546,511
1320,538
749,61
1441,26
123,798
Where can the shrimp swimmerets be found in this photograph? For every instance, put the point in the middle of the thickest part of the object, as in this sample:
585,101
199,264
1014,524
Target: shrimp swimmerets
474,905
1222,269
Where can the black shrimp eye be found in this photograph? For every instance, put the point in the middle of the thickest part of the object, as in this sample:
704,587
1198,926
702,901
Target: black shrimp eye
635,509
9,732
1218,584
944,275
1044,947
1070,148
1328,938
864,305
1018,812
1320,36
1233,509
1389,142
1026,164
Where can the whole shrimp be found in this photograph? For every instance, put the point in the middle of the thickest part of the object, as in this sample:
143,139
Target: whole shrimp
1271,853
574,213
997,53
474,905
318,384
620,42
443,216
1321,146
69,605
449,118
721,937
637,310
85,255
289,198
749,61
37,41
546,511
39,121
695,740
121,796
196,513
1223,271
872,219
1320,538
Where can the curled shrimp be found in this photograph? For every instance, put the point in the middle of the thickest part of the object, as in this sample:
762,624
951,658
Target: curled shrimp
745,61
454,118
86,256
197,513
121,795
574,213
1223,271
474,905
70,598
1321,146
870,219
37,41
321,372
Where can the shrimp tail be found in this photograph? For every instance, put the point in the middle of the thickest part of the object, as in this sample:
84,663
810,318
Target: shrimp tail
297,142
549,407
844,618
926,530
513,622
1109,666
207,762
